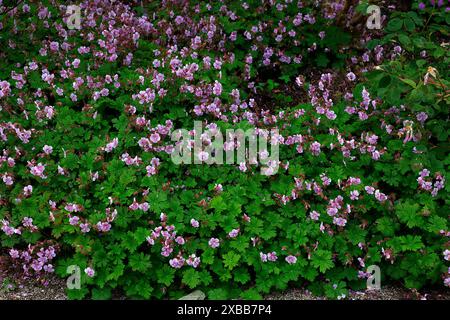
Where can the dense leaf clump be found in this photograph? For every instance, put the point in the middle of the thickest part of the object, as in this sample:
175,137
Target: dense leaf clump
86,123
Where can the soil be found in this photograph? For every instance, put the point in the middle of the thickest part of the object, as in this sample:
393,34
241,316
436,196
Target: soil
12,287
386,293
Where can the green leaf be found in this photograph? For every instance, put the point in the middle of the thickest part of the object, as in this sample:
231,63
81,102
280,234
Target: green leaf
404,40
251,294
130,242
386,226
217,294
101,293
356,234
406,243
191,278
208,256
385,81
140,262
231,259
394,24
117,272
408,213
165,275
140,288
77,294
322,259
409,24
241,275
218,204
436,224
409,81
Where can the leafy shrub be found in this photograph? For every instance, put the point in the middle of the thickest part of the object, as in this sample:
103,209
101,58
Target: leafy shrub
86,117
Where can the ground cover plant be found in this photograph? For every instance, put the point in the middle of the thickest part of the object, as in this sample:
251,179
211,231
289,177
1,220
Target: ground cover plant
86,121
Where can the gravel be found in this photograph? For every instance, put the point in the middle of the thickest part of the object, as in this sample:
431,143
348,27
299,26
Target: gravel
386,293
14,288
29,290
32,290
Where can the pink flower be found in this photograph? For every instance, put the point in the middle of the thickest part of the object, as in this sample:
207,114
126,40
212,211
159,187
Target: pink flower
8,180
49,268
354,194
47,149
322,227
332,211
233,233
38,170
291,259
380,196
203,156
422,116
151,171
85,227
386,253
263,257
94,176
194,223
369,189
155,138
49,112
339,221
150,240
27,222
179,240
61,170
363,274
214,243
176,263
89,271
71,207
73,97
112,145
74,220
447,255
144,206
272,256
193,261
217,64
76,63
36,265
14,253
217,89
424,173
354,181
447,282
103,226
314,215
315,148
8,230
351,76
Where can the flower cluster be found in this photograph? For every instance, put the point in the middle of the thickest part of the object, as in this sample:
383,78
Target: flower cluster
426,182
36,260
87,118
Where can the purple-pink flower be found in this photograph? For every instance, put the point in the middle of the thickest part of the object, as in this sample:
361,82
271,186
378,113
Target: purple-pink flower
89,271
195,223
214,243
233,233
291,259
